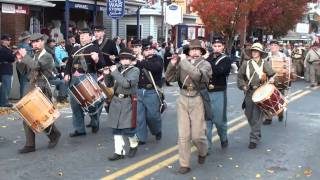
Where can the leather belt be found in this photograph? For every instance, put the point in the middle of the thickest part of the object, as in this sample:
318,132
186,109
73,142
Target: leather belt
189,88
146,86
121,95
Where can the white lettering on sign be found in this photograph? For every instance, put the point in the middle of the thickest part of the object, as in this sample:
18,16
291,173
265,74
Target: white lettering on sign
115,8
8,8
81,6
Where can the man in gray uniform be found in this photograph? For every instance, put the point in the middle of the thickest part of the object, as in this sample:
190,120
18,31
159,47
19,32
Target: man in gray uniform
191,73
123,107
252,75
40,70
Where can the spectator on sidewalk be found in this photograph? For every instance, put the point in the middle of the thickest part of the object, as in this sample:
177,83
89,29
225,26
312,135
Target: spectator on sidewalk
22,71
6,70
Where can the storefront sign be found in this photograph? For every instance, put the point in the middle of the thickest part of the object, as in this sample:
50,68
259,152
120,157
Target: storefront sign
14,9
22,9
173,14
8,8
115,8
81,6
89,7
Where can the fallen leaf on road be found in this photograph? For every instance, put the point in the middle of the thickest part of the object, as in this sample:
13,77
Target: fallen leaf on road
10,119
307,172
270,171
258,176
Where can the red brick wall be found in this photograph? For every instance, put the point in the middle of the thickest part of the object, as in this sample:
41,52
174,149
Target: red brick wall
13,24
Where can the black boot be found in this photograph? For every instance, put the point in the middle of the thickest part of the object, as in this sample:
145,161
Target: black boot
224,144
54,137
267,122
252,145
132,152
27,149
158,136
116,157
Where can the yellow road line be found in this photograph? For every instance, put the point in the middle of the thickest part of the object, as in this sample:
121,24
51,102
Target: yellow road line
155,157
152,158
174,158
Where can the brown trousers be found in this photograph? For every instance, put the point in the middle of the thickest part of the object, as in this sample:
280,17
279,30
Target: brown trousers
30,135
191,127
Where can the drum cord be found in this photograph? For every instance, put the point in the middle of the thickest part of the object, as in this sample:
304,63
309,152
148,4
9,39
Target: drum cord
97,111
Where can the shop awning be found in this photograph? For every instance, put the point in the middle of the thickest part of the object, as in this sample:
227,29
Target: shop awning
103,2
42,3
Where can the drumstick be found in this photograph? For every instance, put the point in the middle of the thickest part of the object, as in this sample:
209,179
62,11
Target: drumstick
78,55
108,54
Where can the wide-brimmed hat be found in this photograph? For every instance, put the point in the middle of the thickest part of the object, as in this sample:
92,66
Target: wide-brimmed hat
259,47
36,36
126,53
196,44
24,35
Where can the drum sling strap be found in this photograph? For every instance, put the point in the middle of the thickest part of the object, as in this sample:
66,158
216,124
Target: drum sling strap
47,81
257,69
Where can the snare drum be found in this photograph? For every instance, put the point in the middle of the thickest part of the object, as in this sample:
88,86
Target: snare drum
269,99
37,110
285,72
87,93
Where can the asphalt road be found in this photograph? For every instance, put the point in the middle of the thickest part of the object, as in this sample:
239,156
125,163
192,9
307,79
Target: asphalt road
288,151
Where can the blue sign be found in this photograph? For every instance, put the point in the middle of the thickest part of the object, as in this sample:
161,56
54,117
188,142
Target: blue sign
115,8
89,7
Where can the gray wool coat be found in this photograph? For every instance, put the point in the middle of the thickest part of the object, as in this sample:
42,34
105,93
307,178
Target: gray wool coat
120,110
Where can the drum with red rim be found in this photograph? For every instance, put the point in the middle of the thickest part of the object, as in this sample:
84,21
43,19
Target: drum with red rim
269,99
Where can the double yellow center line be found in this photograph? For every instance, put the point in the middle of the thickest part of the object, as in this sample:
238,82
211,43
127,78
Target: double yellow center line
293,96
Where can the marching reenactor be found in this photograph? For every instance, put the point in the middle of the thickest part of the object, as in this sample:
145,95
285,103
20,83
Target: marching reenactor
123,107
245,53
40,67
221,65
137,49
86,60
106,46
313,61
275,54
149,114
252,75
191,73
297,59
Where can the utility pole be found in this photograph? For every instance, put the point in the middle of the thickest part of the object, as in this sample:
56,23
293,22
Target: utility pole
162,18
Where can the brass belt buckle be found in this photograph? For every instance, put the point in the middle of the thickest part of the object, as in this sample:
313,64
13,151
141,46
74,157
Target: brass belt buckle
121,95
210,87
189,88
149,85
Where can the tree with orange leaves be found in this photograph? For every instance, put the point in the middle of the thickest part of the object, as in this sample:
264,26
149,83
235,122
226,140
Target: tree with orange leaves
229,17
